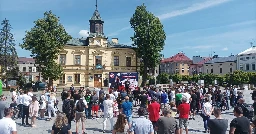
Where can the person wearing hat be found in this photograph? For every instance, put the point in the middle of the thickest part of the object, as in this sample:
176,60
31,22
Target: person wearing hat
141,125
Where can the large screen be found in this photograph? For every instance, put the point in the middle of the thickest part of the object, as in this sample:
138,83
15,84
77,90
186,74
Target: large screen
117,80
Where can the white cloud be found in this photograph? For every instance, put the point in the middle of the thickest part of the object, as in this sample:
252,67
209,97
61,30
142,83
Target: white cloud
84,33
224,49
192,8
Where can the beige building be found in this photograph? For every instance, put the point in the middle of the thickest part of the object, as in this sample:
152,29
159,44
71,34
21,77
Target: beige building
177,64
87,61
220,65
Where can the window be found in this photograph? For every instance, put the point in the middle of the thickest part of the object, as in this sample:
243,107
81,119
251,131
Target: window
231,70
62,79
253,57
77,59
211,70
182,64
176,64
77,78
128,61
253,66
98,60
182,70
24,69
242,58
247,67
247,58
207,71
241,67
63,59
220,70
116,60
30,69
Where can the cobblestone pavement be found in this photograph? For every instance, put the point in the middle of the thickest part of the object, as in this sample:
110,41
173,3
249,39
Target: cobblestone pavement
95,126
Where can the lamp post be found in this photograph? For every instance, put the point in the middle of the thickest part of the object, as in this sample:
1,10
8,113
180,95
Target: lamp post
155,79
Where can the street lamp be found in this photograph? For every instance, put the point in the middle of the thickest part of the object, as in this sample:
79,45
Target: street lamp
155,79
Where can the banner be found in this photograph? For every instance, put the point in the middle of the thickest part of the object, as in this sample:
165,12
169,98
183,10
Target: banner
117,80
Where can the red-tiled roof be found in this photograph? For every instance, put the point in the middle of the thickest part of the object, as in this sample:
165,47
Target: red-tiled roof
177,58
205,60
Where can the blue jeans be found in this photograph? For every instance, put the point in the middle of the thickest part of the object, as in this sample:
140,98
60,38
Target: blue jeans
206,119
88,110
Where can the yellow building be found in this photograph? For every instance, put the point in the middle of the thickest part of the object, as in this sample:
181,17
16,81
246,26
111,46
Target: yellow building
88,61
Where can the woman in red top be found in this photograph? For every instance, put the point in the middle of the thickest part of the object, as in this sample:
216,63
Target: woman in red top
154,109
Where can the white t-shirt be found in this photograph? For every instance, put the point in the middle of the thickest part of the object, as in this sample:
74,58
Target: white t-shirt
43,105
186,95
207,108
30,94
235,92
97,90
112,97
116,94
26,99
7,126
51,100
108,106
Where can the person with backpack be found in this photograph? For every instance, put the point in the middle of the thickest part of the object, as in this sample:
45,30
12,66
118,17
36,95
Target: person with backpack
95,104
88,98
80,106
68,108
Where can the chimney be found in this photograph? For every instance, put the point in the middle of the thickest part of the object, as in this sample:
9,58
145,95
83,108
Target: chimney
114,40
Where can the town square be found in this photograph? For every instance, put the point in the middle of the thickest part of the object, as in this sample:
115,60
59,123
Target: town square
127,67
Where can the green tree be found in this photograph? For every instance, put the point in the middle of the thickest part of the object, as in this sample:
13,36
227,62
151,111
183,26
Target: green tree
176,78
163,78
252,77
45,41
239,77
8,54
220,79
195,78
186,78
148,38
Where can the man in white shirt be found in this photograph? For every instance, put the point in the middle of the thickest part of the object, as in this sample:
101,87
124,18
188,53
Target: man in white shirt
26,99
108,112
115,93
97,90
20,105
186,95
7,125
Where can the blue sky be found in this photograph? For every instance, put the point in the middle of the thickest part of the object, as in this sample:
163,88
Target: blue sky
196,27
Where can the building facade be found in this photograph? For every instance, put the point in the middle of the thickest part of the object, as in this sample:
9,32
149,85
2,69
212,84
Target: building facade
197,66
28,69
177,64
87,61
246,60
220,65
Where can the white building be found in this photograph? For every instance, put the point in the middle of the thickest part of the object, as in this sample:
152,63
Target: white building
246,60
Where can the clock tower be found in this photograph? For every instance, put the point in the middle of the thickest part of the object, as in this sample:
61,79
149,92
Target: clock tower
96,22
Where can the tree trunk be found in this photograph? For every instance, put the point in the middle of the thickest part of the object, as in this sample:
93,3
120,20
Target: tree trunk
144,75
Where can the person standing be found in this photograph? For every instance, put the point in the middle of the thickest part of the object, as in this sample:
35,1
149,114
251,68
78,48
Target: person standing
240,125
167,124
80,106
68,108
26,99
141,125
154,109
127,109
7,125
33,110
206,113
127,84
2,106
95,104
193,104
217,125
108,112
184,110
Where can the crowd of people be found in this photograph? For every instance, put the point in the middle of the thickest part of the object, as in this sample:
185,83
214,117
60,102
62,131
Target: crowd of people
161,111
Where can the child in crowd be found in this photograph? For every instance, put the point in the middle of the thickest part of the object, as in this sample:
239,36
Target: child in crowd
14,106
173,109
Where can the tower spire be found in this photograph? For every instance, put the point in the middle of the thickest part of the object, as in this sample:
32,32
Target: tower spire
96,5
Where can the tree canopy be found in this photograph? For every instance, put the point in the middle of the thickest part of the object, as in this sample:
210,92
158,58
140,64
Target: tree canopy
45,41
8,54
149,38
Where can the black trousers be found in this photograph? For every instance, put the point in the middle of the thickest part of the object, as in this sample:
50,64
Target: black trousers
25,113
69,116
